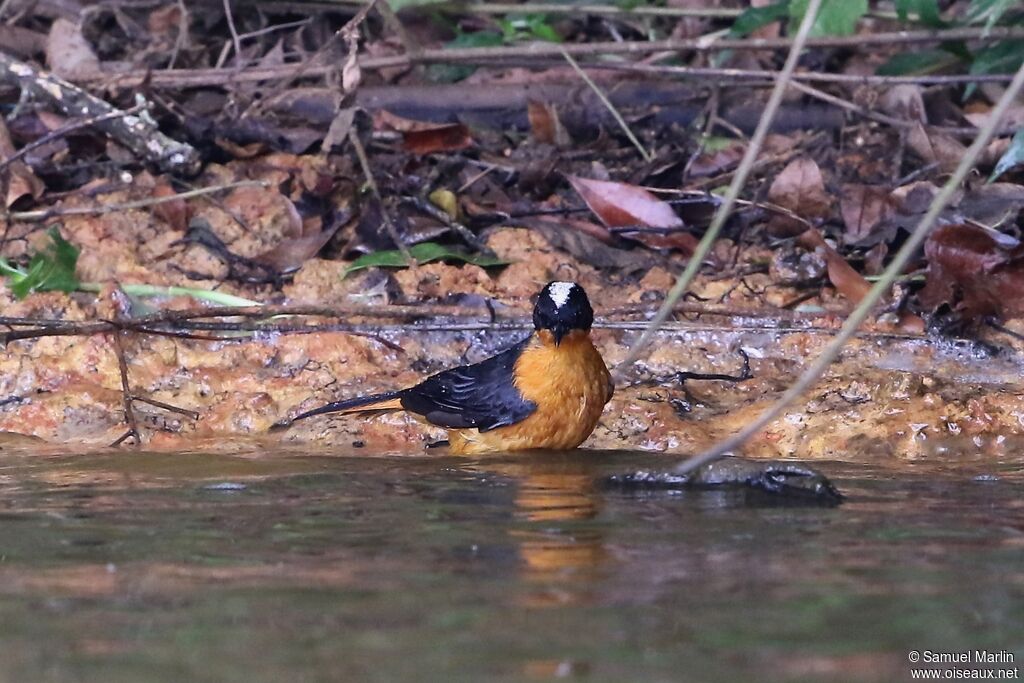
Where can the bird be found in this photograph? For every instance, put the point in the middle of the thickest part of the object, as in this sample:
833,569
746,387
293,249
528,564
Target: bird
545,392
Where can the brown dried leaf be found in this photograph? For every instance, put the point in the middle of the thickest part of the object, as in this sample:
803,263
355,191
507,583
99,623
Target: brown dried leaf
545,126
800,188
446,138
289,255
424,137
621,204
864,208
69,54
904,102
714,163
935,147
18,181
841,274
913,199
974,269
624,205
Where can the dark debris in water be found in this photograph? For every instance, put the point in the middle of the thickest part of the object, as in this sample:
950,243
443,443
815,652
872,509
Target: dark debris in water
785,482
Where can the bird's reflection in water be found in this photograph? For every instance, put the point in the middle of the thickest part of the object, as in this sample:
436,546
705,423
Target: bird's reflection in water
559,551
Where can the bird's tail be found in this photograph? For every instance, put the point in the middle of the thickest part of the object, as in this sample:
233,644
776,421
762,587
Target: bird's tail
389,400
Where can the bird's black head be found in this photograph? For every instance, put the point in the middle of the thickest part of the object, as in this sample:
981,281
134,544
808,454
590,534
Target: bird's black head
561,308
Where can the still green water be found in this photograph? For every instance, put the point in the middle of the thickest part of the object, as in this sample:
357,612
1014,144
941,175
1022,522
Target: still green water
288,567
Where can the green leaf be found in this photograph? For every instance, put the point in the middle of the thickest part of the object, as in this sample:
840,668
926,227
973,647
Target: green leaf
917,63
52,269
1014,156
987,11
1005,56
397,5
754,18
517,26
927,11
425,252
835,18
452,73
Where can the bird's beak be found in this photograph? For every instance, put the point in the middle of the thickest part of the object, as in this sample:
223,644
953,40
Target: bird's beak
558,332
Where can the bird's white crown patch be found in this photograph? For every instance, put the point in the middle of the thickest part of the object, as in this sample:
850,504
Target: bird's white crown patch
559,292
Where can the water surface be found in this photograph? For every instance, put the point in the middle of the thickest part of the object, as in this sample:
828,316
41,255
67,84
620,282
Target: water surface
342,567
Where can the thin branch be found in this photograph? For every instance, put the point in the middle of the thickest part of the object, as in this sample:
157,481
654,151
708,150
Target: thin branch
732,194
126,393
235,40
305,68
640,10
809,76
46,214
184,78
385,215
609,106
166,406
140,134
860,314
851,107
65,130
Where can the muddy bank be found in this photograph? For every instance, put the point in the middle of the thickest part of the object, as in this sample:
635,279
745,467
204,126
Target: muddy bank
891,395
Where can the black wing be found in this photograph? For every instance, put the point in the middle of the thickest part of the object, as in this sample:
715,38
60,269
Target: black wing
480,395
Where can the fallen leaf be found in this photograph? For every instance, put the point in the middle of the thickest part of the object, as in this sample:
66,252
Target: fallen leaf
914,198
936,148
841,274
977,271
339,129
447,138
291,252
545,125
620,205
714,162
17,179
424,137
904,102
863,208
800,188
69,54
584,243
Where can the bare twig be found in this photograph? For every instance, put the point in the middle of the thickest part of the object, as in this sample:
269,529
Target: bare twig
640,10
46,214
860,314
732,194
183,78
808,76
129,412
235,40
385,215
138,133
166,406
609,106
850,106
902,124
65,130
293,72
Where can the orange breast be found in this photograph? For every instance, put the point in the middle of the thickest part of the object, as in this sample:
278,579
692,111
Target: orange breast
570,385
